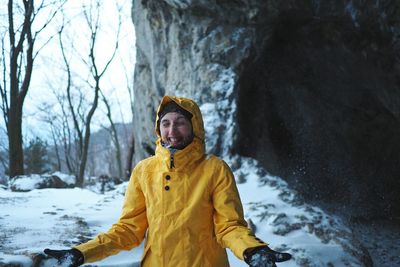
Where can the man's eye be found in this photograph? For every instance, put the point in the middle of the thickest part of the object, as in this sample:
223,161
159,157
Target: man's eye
181,122
165,124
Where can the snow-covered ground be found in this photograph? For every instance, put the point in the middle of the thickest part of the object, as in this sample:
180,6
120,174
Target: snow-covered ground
59,218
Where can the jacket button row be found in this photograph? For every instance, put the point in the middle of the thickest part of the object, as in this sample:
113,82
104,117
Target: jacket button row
168,177
166,187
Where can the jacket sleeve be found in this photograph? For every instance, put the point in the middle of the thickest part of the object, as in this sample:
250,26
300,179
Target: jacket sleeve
230,227
127,233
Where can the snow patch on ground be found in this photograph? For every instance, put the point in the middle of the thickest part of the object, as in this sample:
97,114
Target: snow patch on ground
283,220
60,218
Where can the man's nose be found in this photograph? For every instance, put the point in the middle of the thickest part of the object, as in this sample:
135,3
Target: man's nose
173,128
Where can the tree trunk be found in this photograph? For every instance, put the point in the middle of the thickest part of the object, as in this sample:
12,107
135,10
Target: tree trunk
16,155
129,156
86,140
114,137
56,148
18,88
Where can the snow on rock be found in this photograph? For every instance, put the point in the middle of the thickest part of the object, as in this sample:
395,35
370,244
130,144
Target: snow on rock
283,220
66,178
25,183
218,116
35,181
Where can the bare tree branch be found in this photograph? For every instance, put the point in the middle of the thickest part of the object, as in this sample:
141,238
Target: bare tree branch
93,24
3,88
68,89
29,64
52,14
114,136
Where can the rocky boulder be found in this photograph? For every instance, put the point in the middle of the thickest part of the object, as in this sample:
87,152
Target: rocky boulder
25,183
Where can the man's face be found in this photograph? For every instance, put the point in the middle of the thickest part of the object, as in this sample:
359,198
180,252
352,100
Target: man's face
176,131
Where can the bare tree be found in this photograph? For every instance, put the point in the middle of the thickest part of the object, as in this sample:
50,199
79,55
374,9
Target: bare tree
82,118
66,133
63,136
131,141
58,130
18,72
114,136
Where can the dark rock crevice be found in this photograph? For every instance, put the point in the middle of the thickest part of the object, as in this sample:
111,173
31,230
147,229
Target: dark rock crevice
311,110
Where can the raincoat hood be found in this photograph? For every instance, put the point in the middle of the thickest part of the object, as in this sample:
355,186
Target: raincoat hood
188,105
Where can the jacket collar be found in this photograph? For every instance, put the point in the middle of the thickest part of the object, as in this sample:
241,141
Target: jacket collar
182,159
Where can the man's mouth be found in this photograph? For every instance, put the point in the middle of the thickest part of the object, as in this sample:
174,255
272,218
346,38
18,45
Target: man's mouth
174,141
178,142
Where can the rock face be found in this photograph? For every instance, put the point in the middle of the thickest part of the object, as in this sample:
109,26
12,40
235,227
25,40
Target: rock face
310,88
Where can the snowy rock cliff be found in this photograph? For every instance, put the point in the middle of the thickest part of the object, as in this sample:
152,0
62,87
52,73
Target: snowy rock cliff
311,89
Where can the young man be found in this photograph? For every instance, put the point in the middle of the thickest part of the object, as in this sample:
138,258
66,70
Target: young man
184,203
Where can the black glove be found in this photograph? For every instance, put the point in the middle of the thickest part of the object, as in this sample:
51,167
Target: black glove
69,257
264,257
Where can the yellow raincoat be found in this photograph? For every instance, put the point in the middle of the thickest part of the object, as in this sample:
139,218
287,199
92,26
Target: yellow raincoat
186,206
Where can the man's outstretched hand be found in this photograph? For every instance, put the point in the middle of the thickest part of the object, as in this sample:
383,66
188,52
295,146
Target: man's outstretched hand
265,257
69,257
